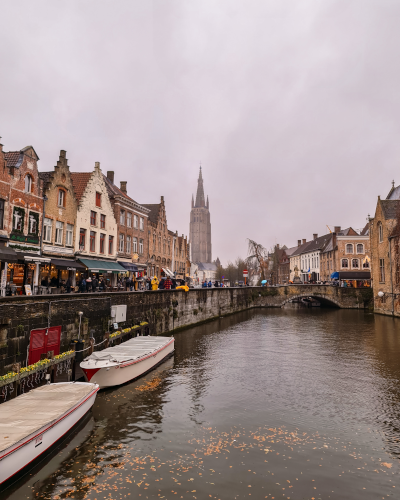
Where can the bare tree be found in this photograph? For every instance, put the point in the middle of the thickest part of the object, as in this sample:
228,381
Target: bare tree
258,255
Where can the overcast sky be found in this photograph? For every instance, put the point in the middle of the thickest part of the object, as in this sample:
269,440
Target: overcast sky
292,107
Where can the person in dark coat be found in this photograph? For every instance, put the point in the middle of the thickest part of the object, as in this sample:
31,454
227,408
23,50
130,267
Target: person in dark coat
95,284
161,284
82,285
209,284
68,285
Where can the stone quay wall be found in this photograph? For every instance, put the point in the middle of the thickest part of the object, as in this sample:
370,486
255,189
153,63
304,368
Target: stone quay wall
164,310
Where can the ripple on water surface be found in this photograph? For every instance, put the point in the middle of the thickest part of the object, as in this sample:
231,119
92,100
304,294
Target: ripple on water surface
269,404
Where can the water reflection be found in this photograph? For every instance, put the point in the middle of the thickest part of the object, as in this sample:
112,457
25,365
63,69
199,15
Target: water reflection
296,402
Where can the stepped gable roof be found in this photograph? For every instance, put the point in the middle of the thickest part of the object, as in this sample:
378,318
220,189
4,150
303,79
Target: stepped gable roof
79,181
154,210
390,208
13,158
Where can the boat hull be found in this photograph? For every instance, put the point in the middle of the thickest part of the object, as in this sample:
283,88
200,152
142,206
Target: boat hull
29,449
122,373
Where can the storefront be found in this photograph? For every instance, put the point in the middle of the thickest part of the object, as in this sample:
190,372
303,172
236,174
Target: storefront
102,269
7,256
58,271
23,275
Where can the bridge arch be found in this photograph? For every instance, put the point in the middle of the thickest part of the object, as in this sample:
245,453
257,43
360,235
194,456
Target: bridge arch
323,299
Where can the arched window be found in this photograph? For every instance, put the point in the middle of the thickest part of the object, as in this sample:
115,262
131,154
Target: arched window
366,264
28,184
345,263
355,263
380,232
349,248
360,248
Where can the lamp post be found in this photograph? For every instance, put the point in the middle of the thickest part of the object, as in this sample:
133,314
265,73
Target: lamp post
80,313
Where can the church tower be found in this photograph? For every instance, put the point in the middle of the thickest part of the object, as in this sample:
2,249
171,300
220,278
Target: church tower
200,226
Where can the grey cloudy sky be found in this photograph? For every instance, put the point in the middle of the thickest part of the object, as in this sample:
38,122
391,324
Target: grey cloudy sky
292,107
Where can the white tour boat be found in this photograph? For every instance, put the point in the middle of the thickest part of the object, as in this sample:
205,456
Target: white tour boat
126,361
33,422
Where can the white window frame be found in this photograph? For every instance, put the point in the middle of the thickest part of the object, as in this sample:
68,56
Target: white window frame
358,264
352,248
61,197
129,219
69,235
28,183
122,217
121,242
140,246
59,232
141,223
128,244
47,230
341,264
362,248
135,221
134,245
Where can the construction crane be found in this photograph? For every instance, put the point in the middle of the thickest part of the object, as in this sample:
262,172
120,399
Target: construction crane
329,228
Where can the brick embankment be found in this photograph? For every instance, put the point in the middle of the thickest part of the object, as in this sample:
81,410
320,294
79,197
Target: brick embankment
164,310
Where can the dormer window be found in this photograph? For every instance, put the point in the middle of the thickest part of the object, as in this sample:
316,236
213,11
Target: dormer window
28,184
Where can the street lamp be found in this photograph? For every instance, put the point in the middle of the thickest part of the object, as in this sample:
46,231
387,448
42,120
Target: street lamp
80,314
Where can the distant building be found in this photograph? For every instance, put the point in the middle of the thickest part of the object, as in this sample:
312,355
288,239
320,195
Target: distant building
200,226
385,253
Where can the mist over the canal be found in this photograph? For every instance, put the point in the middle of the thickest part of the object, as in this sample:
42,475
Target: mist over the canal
280,403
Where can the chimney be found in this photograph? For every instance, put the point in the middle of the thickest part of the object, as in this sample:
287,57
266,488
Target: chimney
110,175
315,236
298,243
304,240
123,186
337,229
97,165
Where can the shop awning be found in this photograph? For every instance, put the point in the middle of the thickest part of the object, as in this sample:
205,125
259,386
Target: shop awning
355,275
101,265
31,257
129,266
335,276
69,265
8,254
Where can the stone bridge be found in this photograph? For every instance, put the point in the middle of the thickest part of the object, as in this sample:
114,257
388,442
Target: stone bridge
345,298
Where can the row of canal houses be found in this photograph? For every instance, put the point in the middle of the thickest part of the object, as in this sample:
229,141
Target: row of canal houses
57,225
341,254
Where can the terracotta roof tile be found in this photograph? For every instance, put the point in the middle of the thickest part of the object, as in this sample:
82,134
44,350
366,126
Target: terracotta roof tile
79,181
13,158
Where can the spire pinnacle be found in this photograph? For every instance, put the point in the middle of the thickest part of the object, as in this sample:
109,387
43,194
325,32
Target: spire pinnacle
200,201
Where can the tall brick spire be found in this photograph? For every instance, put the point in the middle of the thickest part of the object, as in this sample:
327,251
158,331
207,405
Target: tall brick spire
200,202
200,226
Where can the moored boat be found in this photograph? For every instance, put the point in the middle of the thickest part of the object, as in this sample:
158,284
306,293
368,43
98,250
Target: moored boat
126,361
33,422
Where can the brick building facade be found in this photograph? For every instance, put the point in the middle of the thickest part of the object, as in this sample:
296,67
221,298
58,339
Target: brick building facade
159,239
59,229
132,226
21,207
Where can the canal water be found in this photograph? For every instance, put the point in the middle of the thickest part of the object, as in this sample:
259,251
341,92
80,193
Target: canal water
276,404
